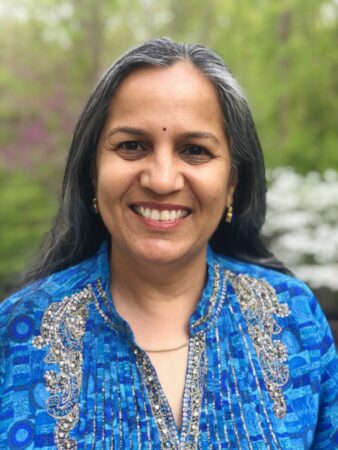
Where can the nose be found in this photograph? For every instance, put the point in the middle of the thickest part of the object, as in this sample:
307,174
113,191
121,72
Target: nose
162,173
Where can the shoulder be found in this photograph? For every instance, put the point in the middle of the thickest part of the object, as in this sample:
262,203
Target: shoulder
302,320
21,364
288,288
23,310
305,318
23,392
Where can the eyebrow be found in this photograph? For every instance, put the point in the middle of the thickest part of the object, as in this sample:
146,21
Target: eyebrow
201,135
188,135
126,130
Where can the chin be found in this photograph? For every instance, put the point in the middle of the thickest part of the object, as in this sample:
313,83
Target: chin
162,252
159,252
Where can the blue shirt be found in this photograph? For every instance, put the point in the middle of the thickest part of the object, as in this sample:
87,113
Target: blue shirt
262,367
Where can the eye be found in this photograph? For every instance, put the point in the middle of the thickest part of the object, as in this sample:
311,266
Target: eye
131,150
195,154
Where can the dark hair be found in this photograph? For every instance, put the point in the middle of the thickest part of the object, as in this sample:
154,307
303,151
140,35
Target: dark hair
77,233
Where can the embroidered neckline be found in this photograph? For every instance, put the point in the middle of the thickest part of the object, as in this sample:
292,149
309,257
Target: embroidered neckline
63,328
202,318
192,397
212,301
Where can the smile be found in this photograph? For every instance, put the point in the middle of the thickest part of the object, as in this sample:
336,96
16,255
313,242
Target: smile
158,215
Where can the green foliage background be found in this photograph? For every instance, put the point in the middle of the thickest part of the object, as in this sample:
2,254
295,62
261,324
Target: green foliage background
284,53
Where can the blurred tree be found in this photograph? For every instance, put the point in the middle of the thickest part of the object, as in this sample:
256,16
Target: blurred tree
26,211
283,52
285,56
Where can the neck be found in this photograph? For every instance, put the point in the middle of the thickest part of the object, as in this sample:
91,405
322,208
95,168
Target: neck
157,298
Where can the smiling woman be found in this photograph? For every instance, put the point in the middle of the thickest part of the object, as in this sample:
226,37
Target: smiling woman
145,176
157,317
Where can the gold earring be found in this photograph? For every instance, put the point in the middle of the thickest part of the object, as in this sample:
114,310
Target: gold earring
95,206
229,214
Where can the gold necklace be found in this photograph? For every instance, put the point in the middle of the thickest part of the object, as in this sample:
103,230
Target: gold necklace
166,349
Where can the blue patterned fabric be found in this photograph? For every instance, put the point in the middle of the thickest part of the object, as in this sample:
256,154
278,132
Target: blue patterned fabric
262,370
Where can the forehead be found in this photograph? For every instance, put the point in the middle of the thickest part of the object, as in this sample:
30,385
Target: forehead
185,75
178,87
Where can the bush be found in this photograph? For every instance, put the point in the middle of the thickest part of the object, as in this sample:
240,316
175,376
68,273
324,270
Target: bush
301,224
27,206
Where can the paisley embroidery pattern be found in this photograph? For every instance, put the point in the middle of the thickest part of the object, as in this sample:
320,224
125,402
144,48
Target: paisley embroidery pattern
259,303
63,328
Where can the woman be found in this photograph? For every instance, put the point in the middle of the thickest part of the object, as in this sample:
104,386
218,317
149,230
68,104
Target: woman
154,316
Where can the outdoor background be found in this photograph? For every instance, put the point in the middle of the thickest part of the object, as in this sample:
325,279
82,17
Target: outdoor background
285,55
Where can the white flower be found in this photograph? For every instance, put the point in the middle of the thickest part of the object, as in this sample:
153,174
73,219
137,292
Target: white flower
302,223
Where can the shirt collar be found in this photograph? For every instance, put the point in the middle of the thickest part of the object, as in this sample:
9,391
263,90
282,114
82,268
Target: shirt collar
211,299
202,318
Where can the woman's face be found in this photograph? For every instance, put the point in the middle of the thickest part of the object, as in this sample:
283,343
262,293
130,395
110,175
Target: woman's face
163,166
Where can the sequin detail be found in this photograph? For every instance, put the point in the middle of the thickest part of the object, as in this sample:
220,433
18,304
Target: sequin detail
259,303
63,328
192,398
213,298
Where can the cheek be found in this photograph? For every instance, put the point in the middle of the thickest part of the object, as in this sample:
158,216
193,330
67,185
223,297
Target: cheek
111,177
215,198
213,188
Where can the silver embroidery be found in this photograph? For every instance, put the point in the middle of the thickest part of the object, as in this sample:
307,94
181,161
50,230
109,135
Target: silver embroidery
192,400
213,298
193,392
63,328
259,303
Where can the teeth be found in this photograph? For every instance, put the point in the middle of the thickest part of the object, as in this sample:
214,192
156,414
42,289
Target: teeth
172,215
163,216
155,214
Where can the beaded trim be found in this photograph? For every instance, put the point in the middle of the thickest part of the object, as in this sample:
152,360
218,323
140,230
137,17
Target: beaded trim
193,392
213,298
259,302
192,398
63,328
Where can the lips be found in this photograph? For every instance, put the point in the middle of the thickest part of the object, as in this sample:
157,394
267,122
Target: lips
159,214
